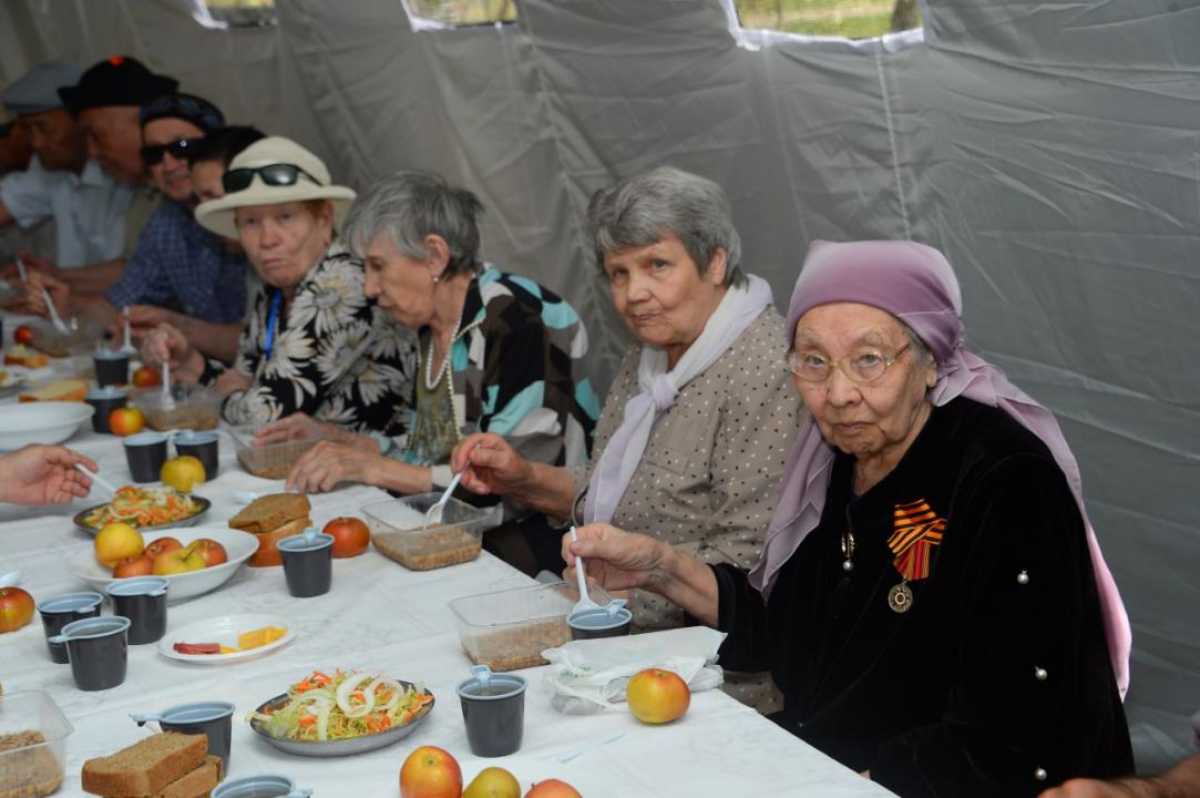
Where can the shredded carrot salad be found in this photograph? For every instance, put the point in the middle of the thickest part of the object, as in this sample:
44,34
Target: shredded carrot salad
143,507
343,705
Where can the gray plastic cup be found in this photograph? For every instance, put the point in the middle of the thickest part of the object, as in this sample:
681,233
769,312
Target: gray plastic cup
145,453
143,600
599,622
105,400
98,649
59,611
269,786
307,564
211,718
201,445
493,708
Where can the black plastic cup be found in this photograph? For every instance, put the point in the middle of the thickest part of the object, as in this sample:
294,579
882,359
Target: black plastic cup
202,446
260,787
145,453
493,708
600,622
61,610
98,649
307,565
112,367
211,718
105,400
143,600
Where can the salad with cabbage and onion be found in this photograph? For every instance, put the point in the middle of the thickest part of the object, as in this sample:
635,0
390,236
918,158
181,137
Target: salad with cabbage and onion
347,704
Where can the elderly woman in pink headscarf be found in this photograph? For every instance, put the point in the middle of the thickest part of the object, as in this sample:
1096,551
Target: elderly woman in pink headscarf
931,600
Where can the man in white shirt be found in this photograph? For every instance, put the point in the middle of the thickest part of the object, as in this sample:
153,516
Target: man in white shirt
87,205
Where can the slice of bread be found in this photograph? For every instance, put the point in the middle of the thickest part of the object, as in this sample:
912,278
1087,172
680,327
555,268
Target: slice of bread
268,551
21,355
68,390
147,766
197,783
268,513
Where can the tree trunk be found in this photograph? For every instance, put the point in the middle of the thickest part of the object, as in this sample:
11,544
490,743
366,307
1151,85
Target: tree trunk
905,15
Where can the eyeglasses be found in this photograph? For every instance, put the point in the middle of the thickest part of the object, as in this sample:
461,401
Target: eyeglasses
276,174
152,154
861,368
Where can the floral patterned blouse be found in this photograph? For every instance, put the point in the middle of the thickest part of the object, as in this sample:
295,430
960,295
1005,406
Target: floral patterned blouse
333,354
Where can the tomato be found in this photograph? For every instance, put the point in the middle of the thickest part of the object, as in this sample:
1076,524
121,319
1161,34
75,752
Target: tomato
350,536
23,335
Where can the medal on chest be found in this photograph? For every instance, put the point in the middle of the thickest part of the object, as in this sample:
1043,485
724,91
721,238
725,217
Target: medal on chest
916,530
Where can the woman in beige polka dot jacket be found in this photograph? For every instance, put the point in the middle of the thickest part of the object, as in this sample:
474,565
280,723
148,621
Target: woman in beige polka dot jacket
691,443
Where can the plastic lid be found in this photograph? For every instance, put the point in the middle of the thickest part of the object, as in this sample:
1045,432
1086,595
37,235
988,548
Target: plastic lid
95,627
138,586
259,787
487,686
298,543
599,619
189,437
145,439
200,712
70,602
107,392
111,354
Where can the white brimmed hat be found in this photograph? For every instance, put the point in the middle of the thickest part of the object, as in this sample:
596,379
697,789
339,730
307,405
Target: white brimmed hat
217,215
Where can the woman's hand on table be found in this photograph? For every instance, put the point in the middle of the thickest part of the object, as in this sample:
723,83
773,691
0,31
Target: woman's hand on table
302,425
325,465
232,380
166,344
39,475
490,465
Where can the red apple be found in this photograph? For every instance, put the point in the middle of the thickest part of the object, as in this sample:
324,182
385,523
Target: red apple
179,561
212,551
350,536
161,546
430,772
23,335
552,788
16,608
146,377
141,565
126,421
657,696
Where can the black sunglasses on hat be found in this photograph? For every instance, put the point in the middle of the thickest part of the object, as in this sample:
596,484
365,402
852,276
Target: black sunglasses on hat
152,154
276,174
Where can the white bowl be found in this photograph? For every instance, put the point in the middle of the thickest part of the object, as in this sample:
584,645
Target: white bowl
41,422
239,547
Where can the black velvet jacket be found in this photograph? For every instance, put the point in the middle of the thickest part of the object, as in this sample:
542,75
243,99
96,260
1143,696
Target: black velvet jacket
997,681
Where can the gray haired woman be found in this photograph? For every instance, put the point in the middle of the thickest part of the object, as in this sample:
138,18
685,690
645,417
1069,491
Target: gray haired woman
691,443
498,351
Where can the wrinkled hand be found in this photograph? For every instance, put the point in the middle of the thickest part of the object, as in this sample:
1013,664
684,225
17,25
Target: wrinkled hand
43,475
327,464
302,425
143,320
616,560
60,294
233,380
490,464
1091,788
165,344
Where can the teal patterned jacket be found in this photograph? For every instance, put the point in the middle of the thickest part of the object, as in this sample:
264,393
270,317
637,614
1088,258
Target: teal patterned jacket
515,372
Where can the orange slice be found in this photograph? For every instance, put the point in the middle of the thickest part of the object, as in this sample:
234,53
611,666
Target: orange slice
260,637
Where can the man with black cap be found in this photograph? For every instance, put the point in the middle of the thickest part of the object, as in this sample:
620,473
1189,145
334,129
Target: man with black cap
179,273
88,207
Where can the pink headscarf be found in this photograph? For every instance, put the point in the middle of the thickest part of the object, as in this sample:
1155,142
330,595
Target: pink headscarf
915,284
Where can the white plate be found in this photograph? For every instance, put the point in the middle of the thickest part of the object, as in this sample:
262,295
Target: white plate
12,379
239,547
223,630
41,422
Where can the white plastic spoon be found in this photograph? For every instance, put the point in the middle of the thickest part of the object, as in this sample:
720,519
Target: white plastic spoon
585,601
434,514
127,346
99,480
55,319
24,275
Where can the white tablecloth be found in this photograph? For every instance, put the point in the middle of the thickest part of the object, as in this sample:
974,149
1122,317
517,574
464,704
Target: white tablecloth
383,618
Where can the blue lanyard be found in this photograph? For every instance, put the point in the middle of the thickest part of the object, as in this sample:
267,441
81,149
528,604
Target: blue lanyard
272,319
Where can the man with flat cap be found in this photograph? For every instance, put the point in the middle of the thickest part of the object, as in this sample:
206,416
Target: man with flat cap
88,207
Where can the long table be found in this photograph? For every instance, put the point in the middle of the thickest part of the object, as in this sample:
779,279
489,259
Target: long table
382,618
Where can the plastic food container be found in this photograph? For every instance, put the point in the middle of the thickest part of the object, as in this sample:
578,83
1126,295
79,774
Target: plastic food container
401,532
191,407
509,629
33,741
273,460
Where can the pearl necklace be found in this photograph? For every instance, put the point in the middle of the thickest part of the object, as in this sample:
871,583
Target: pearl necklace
430,382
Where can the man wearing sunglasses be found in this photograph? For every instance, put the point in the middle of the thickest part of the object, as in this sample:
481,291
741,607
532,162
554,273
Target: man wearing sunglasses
61,184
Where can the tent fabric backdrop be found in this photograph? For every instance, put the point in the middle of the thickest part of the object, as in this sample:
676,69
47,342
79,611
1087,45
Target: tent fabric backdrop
1051,150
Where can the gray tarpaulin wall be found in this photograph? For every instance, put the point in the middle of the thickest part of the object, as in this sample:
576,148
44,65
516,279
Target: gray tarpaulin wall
1052,150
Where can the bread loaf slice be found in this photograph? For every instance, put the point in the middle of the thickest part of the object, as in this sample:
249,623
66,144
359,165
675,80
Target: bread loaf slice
268,513
197,783
21,355
68,390
147,766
